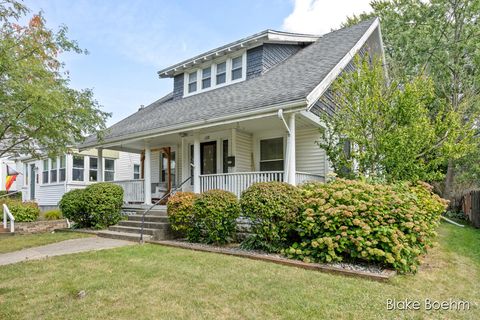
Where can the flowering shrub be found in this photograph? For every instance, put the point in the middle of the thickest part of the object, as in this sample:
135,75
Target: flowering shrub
272,208
390,225
180,211
215,212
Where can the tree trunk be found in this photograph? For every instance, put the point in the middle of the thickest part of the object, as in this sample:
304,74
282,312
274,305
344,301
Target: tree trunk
449,184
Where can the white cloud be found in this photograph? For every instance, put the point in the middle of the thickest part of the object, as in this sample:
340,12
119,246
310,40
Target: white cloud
320,16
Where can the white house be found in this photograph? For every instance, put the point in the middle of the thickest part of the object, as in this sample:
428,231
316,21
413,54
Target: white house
46,180
247,111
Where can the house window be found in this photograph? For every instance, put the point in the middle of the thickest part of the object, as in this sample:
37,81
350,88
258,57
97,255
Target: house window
221,73
45,171
109,170
77,168
61,171
136,171
192,82
164,167
237,68
53,170
271,154
93,170
206,77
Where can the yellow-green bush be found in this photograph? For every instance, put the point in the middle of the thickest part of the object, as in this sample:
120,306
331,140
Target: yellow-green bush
353,220
21,211
53,215
180,211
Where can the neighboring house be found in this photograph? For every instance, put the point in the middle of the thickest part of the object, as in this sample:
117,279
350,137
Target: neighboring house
3,173
244,112
46,180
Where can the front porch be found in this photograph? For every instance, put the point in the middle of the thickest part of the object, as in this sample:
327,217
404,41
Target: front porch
229,157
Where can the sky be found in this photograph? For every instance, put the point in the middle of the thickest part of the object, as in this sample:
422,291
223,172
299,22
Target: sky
129,41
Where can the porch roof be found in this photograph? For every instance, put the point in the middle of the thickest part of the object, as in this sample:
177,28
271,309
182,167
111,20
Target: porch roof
290,82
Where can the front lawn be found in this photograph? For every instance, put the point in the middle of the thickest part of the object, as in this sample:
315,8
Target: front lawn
155,282
24,241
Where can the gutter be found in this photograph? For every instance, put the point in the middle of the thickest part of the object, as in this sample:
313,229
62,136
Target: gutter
296,105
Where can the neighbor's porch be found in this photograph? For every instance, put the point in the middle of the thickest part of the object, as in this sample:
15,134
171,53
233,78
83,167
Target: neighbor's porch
229,157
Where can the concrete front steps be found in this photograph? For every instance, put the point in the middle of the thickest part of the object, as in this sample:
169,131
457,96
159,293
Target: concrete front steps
156,226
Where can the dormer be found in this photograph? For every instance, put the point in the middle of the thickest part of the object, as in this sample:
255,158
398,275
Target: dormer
235,62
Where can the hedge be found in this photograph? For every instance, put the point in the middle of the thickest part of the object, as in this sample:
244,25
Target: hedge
21,211
273,208
72,207
353,220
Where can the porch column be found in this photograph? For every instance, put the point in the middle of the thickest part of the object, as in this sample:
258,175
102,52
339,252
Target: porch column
100,164
196,164
291,151
147,179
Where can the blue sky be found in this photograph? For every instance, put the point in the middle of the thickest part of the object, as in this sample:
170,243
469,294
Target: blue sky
129,41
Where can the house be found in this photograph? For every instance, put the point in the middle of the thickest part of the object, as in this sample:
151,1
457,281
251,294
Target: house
247,111
4,162
45,180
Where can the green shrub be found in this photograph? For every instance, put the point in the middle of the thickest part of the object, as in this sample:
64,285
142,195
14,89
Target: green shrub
215,212
386,224
17,195
72,207
102,203
272,208
53,215
180,211
21,211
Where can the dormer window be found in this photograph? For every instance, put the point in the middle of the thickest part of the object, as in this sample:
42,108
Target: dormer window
221,73
192,82
237,68
206,77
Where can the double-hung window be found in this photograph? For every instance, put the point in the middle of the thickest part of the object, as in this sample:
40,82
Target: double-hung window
192,82
53,170
136,171
45,171
93,170
61,171
109,170
271,154
221,73
77,168
237,68
206,77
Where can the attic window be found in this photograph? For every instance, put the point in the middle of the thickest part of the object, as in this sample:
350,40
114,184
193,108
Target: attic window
192,82
206,77
221,73
236,68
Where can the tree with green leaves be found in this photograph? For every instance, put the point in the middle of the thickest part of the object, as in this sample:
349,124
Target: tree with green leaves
393,133
39,112
438,38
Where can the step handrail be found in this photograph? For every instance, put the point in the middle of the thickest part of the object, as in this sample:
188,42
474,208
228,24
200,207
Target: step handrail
157,202
7,213
10,194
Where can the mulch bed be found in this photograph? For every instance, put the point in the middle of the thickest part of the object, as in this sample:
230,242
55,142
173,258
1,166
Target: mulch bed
354,270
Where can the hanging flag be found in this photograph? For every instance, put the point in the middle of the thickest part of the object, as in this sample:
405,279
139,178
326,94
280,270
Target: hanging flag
11,177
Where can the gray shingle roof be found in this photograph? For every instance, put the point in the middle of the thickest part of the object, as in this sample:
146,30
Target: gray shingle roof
291,80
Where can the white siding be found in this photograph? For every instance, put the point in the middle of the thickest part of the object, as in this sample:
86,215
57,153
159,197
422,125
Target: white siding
155,167
243,152
49,194
309,157
124,165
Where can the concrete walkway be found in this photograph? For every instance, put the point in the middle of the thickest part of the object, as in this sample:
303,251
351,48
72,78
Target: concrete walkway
62,248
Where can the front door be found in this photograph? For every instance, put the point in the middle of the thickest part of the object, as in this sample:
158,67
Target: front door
32,182
208,157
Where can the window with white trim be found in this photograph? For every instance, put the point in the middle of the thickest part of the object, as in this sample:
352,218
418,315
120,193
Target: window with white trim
192,82
271,154
62,169
93,169
45,171
109,171
78,168
237,66
206,77
136,171
221,73
53,170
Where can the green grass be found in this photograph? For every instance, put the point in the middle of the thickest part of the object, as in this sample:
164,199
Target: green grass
19,241
155,282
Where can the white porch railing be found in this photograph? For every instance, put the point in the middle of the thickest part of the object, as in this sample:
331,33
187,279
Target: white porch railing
8,214
237,182
302,177
133,190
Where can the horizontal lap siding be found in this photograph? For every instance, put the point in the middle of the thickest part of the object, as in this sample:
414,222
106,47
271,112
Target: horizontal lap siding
49,195
155,167
309,157
243,156
178,164
125,162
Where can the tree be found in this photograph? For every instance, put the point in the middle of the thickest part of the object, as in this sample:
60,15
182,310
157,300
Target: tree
39,113
439,38
390,125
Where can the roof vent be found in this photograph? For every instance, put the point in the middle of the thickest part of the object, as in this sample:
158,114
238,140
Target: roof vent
141,107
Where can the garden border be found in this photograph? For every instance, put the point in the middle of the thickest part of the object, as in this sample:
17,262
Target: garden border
386,275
